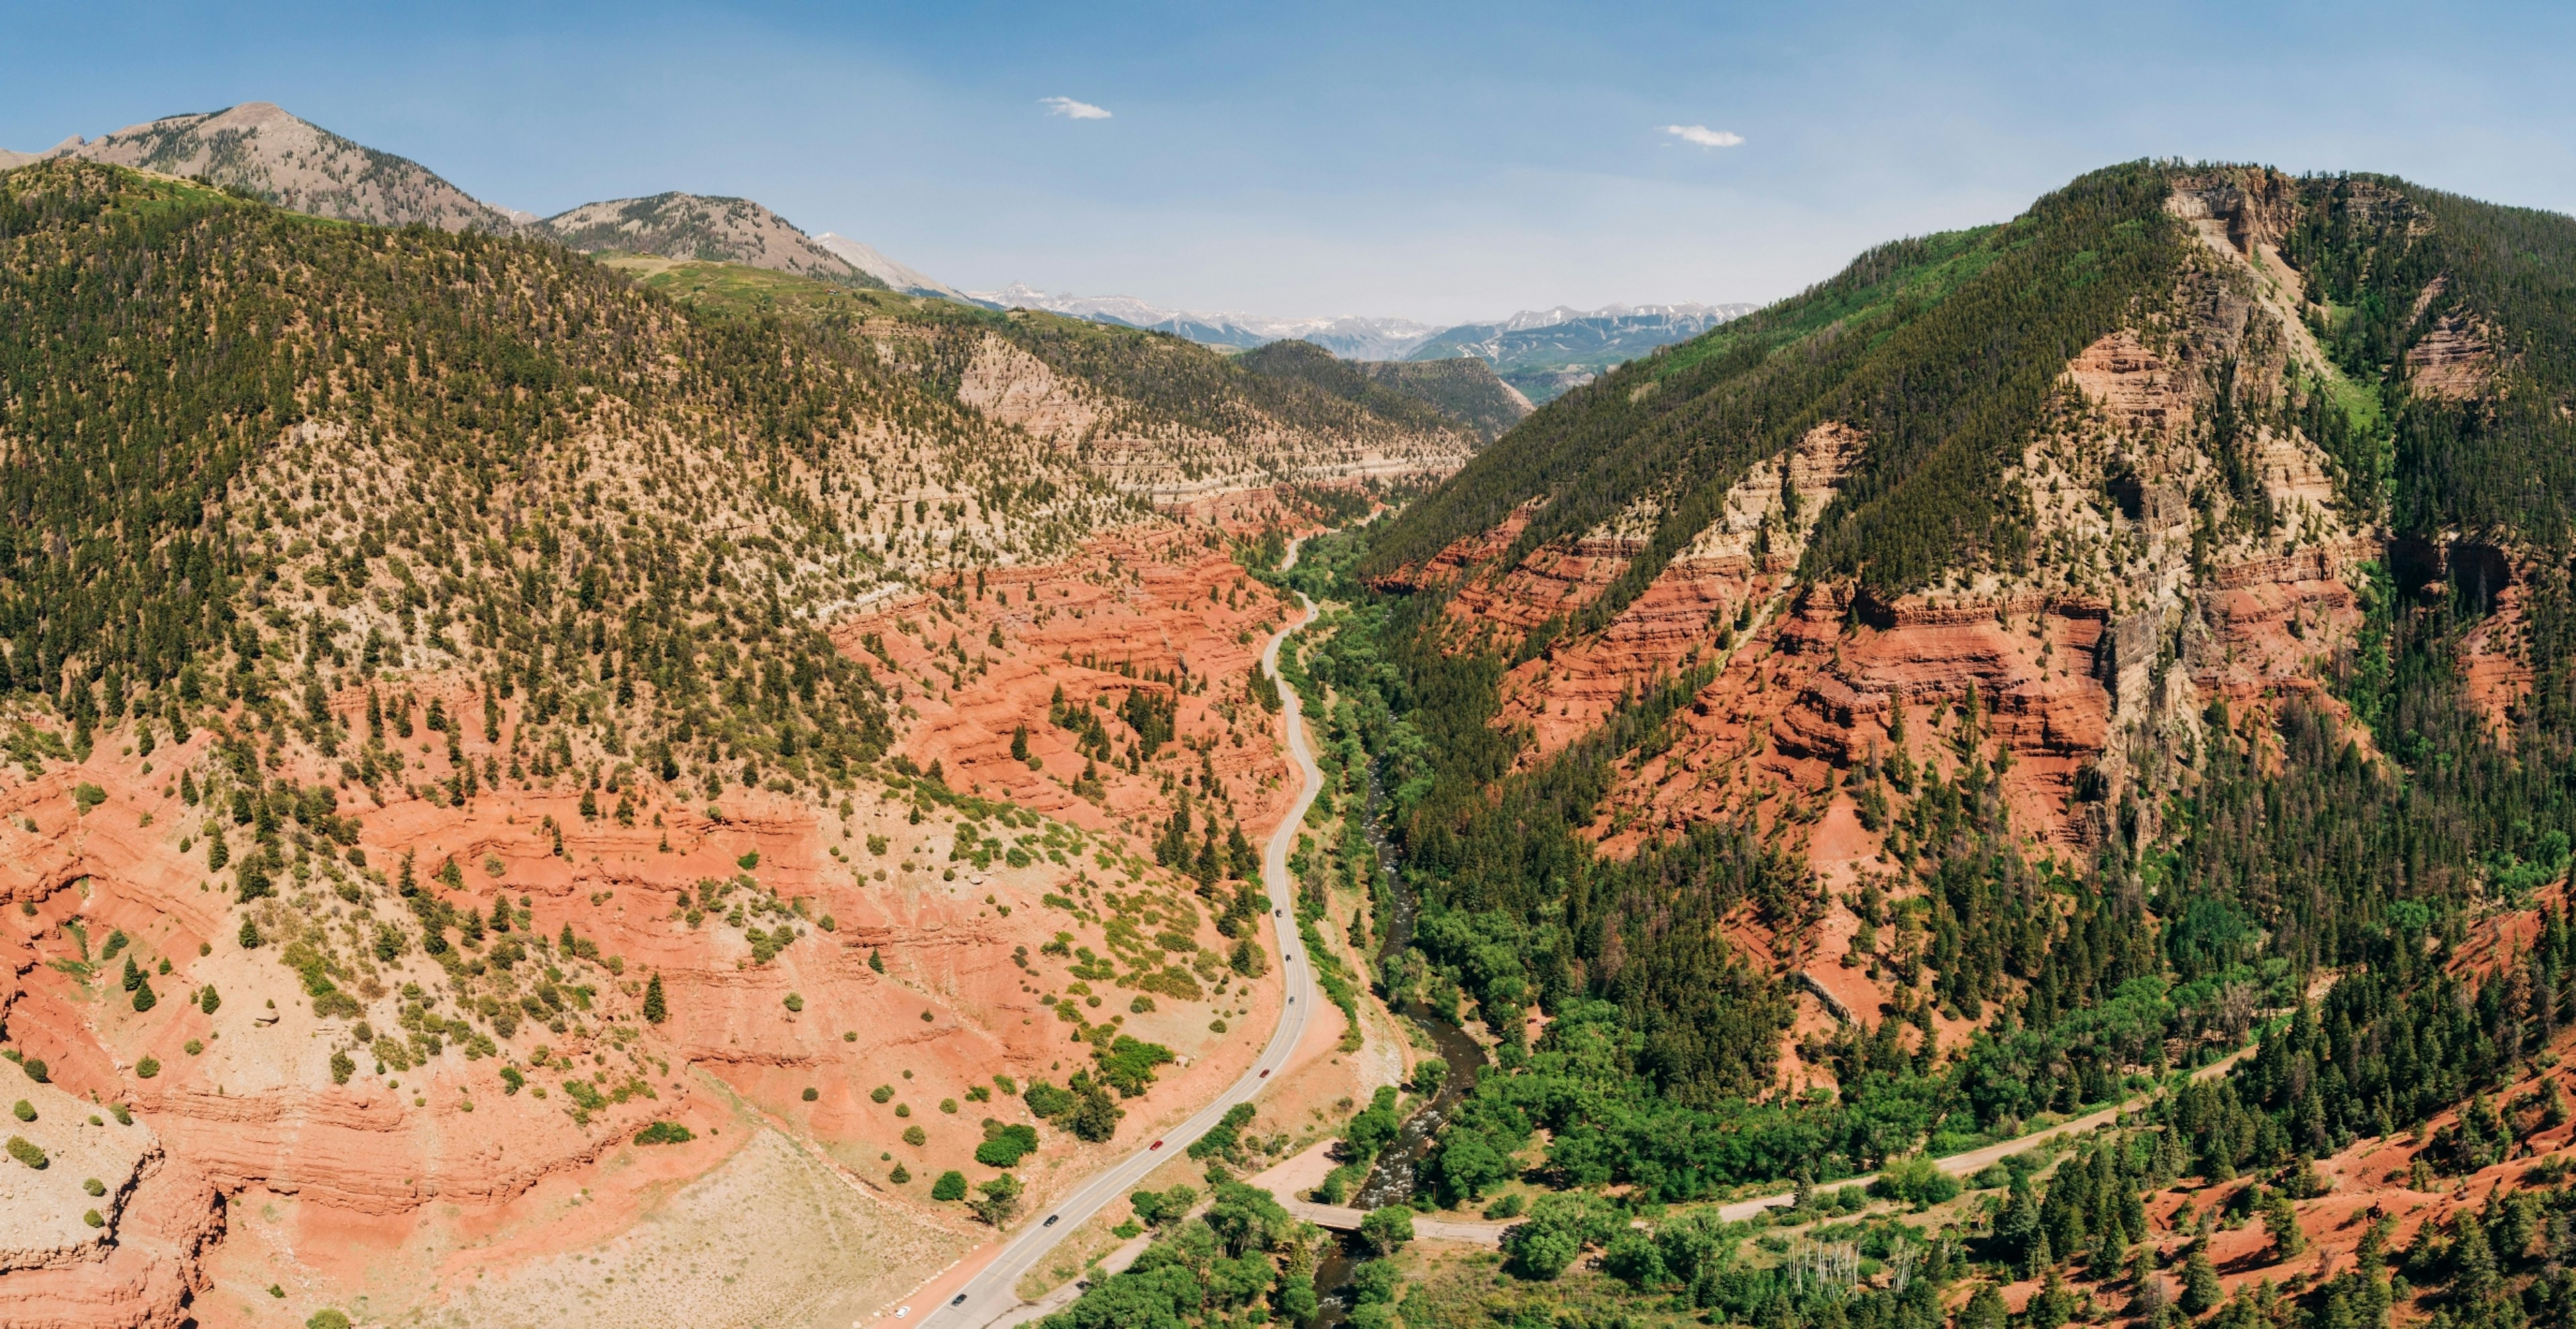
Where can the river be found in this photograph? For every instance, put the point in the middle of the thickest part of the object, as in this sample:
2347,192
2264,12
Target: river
1391,1177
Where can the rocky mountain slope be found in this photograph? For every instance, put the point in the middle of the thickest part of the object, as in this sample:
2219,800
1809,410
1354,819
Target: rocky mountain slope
1462,391
897,276
259,148
2032,661
1160,418
501,760
704,229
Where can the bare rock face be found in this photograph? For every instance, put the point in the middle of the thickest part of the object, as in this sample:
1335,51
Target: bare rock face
107,1229
298,165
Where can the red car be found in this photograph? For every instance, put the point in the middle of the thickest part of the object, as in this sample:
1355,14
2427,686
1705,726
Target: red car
1156,1145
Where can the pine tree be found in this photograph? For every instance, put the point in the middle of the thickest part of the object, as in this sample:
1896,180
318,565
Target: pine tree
1243,861
2201,1291
655,1011
1209,867
2281,1219
249,935
876,960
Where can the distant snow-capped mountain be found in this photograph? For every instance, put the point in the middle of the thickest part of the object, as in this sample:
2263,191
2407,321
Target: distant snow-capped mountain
1350,337
1545,352
1548,349
900,276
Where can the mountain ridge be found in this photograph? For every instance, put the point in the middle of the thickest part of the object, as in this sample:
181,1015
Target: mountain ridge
700,227
262,148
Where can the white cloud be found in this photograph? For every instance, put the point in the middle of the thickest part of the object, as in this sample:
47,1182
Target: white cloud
1699,134
1074,110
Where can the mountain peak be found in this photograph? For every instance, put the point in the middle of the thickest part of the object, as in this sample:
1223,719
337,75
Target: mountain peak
710,228
265,149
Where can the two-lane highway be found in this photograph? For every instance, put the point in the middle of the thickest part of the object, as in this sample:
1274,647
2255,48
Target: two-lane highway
988,1299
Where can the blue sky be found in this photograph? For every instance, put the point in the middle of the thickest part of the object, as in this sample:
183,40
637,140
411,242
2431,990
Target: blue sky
1435,161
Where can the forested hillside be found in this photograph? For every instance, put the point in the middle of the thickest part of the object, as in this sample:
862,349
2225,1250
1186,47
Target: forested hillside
1438,393
441,674
464,440
1152,412
2246,492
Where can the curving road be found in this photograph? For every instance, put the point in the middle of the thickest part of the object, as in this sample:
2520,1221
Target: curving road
988,1298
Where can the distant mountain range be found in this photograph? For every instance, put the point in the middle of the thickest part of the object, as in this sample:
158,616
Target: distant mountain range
261,149
1351,338
1539,352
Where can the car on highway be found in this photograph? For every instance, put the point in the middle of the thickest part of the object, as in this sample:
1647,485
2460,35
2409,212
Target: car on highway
958,1300
1051,1218
1156,1145
1265,1075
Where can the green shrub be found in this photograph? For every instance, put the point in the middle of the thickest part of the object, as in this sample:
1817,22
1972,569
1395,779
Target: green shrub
94,1186
25,1111
327,1318
1915,1180
915,1136
147,1068
795,1002
27,1153
900,1176
881,1093
997,1200
334,1005
811,1093
1005,1146
1046,1101
342,1067
94,1218
665,1132
950,1186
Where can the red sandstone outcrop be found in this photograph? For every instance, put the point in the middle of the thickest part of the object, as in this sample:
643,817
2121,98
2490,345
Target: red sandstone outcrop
904,964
